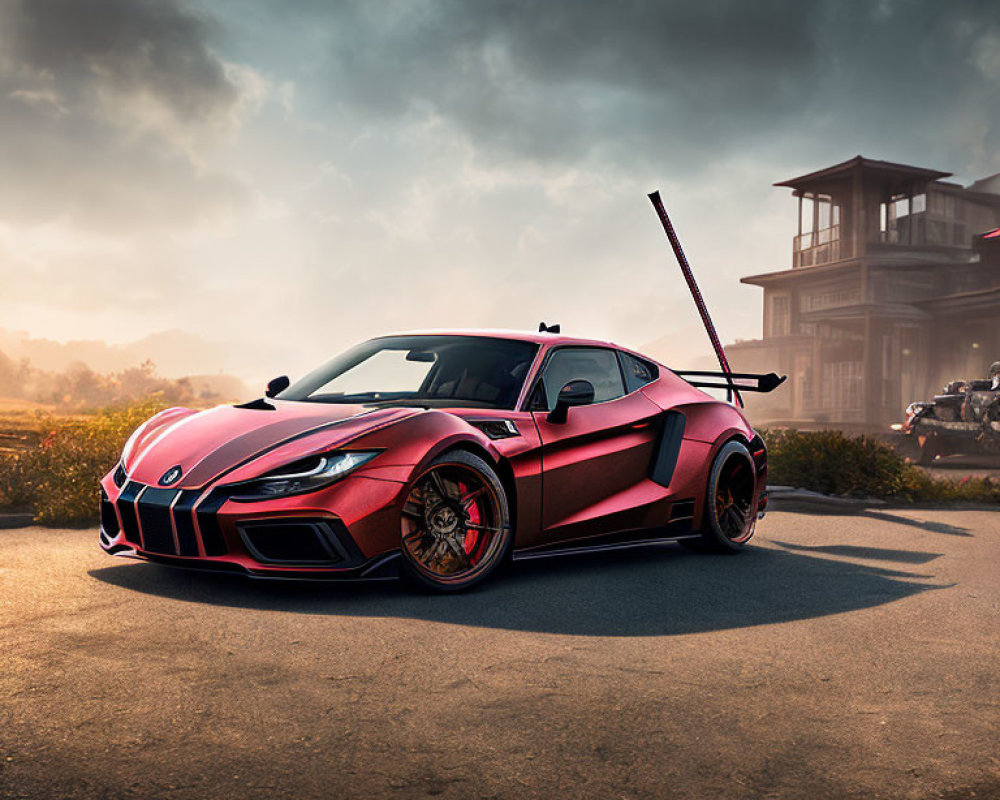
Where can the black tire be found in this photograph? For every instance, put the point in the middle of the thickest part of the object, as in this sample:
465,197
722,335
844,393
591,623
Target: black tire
729,517
438,523
930,449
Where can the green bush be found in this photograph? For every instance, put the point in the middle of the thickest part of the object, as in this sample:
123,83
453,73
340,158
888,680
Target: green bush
832,463
829,462
59,478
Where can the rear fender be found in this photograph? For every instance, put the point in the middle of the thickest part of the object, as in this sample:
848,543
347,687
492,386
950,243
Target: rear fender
708,426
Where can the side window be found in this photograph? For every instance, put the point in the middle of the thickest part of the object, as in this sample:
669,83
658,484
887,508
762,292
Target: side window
638,371
593,364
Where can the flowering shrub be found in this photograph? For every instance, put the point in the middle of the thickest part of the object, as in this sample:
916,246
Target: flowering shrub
832,463
59,477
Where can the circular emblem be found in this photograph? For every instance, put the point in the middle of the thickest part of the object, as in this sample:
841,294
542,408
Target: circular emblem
444,520
171,476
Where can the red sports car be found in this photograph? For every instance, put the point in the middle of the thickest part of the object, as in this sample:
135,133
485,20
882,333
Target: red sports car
439,456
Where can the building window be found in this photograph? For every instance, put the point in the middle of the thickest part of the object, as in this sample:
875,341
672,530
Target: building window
841,386
833,298
780,316
818,241
901,217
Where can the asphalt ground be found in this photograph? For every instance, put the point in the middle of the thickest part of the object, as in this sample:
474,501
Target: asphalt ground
840,657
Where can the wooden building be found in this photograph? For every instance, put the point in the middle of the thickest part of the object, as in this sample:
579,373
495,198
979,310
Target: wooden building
893,290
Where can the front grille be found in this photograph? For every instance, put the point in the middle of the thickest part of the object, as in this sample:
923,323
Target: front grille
187,539
208,522
170,522
166,517
154,516
126,509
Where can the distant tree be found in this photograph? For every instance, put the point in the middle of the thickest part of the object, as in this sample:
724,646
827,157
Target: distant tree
10,383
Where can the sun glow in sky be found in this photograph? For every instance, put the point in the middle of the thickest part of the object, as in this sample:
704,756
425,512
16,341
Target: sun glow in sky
286,179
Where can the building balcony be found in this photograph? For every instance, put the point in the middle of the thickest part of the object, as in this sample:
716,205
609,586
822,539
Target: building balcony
820,247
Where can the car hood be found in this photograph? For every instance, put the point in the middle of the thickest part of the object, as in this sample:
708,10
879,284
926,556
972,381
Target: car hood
209,444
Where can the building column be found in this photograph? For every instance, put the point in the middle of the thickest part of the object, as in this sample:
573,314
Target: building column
857,197
871,372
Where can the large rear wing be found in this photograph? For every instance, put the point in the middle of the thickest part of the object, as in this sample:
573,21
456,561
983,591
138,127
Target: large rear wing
762,383
733,381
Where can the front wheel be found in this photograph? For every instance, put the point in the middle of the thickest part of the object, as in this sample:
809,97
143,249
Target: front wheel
730,517
455,524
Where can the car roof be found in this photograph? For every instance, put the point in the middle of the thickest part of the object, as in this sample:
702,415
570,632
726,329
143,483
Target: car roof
497,333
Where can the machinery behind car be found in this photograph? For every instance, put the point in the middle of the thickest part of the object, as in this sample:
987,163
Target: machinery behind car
964,419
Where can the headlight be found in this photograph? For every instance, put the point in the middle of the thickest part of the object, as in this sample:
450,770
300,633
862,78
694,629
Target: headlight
305,475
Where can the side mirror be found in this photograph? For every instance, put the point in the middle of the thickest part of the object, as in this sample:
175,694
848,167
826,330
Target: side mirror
574,393
277,386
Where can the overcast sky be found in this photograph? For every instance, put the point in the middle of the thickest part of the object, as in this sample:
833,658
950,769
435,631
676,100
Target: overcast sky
289,178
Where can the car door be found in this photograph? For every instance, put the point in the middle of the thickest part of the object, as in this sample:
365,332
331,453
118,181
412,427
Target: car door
595,465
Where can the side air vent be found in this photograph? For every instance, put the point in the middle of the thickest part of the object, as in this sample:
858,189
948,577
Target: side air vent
497,428
293,542
682,510
668,448
109,519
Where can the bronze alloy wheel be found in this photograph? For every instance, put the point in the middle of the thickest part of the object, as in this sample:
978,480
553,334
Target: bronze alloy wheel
454,523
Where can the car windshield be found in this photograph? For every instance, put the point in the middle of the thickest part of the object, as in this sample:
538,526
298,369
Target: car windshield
437,371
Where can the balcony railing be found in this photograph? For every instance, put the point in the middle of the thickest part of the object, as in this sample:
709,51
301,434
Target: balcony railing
819,247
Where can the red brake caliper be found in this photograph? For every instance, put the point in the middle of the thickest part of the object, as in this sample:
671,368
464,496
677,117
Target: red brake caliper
471,536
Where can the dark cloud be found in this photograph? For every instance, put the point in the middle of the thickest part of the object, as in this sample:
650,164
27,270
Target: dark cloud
103,107
131,46
641,81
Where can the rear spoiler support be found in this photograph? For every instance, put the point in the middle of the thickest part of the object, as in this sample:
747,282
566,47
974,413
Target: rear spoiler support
699,301
766,382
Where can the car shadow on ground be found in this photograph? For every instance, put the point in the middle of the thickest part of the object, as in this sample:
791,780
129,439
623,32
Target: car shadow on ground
860,551
819,508
654,591
925,525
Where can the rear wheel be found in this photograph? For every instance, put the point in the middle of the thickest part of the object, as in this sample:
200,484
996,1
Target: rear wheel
455,524
729,518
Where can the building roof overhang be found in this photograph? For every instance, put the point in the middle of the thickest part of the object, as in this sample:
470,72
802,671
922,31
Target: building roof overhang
802,273
983,301
895,177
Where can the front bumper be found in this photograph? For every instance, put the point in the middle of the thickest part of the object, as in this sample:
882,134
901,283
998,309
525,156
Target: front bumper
294,537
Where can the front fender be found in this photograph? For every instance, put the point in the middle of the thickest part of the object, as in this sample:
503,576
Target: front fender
411,444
